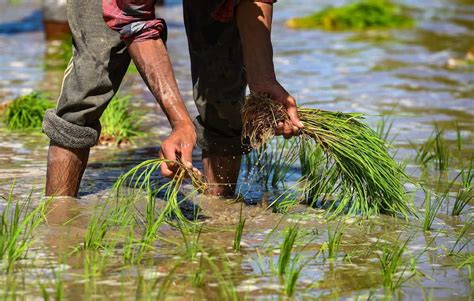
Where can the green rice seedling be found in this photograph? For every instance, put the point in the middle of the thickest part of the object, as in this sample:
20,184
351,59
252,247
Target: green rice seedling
333,244
272,162
18,224
287,200
455,249
199,275
431,208
166,284
239,231
191,246
318,176
459,138
368,180
119,125
291,276
465,193
222,273
468,262
106,216
384,129
58,284
435,150
26,112
286,248
359,15
140,178
390,262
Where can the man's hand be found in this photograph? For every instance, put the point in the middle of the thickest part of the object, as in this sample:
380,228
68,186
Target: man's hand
151,58
178,146
293,126
254,20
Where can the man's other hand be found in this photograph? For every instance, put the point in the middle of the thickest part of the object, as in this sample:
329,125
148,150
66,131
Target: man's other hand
178,146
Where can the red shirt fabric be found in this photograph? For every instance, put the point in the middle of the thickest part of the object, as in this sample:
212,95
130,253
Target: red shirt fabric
135,20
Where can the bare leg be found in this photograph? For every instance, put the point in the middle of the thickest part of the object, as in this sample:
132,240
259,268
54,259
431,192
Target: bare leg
65,169
221,172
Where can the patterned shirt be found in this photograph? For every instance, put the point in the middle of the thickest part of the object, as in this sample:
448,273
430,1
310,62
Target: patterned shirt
135,19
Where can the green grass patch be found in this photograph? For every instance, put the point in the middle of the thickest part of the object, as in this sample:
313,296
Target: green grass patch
119,125
26,112
360,15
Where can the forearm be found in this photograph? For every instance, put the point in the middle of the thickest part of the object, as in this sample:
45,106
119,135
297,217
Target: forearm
254,20
153,63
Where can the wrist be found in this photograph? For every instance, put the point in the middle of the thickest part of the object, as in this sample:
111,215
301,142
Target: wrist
263,86
186,124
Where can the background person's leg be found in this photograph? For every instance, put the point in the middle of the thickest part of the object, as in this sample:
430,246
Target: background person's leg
219,85
100,60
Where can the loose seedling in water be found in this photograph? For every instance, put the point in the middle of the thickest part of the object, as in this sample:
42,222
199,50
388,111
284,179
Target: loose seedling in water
286,248
432,208
239,231
465,192
459,237
368,180
434,150
334,241
390,263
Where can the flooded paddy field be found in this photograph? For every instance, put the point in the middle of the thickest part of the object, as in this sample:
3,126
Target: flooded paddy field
100,247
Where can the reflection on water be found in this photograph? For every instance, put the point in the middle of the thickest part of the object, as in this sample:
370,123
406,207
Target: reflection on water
402,72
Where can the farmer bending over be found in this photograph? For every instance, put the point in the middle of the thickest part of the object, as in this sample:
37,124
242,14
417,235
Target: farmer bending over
230,47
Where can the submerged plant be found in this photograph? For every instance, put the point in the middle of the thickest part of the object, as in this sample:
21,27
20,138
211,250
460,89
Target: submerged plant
367,179
334,241
459,238
26,112
391,262
431,208
359,15
284,260
434,151
119,125
18,224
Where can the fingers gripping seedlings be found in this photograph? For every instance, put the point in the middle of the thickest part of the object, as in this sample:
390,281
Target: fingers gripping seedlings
140,178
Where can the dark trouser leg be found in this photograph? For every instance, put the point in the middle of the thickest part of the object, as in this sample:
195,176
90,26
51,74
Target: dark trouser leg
92,77
219,84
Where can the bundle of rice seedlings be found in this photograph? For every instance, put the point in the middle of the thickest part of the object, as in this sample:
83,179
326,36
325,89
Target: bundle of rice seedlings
26,112
364,177
140,178
119,125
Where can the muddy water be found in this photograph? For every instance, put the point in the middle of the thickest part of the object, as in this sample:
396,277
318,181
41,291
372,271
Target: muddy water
401,72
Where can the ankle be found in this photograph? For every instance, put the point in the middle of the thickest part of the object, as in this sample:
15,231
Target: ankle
221,173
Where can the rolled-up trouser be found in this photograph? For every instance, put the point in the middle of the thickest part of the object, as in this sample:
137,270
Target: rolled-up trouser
100,61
